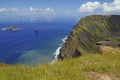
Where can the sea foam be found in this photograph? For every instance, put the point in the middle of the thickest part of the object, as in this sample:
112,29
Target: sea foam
58,50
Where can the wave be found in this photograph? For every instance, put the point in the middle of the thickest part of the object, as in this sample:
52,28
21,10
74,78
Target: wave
58,50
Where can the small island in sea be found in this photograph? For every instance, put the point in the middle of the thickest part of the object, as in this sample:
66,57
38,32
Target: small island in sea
12,28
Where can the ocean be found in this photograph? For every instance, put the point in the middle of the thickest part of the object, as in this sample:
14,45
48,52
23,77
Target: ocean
30,48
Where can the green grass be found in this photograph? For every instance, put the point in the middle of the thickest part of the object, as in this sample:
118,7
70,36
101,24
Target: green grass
72,69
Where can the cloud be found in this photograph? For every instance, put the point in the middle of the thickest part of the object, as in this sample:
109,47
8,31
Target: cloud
114,6
31,9
104,7
46,10
49,9
13,10
2,9
8,10
89,6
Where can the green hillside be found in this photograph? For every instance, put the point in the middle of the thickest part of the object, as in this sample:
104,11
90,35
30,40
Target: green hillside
88,32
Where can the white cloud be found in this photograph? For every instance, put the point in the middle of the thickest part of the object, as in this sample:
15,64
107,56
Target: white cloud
89,6
46,10
114,6
13,10
105,7
8,10
49,9
2,9
31,9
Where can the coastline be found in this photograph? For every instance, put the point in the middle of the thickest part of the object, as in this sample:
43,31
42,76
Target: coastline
56,53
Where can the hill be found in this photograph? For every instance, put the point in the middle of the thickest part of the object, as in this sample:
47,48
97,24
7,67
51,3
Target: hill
88,32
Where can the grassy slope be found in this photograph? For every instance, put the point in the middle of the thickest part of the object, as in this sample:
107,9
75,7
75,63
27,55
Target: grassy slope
92,29
72,69
89,31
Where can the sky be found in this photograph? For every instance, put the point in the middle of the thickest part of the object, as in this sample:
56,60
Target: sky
50,9
57,4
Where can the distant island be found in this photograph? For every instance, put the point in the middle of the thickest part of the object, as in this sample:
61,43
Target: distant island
12,28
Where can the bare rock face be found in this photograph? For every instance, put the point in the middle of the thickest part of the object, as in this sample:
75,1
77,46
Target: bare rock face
90,30
69,49
108,43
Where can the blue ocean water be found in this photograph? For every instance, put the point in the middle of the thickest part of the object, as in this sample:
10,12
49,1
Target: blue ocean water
28,47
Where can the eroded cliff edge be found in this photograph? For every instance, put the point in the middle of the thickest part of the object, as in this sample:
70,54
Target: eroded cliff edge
89,31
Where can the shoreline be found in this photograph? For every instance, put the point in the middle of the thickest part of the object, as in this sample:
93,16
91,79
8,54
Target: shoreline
57,51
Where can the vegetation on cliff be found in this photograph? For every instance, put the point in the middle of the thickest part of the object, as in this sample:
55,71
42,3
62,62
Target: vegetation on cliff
88,32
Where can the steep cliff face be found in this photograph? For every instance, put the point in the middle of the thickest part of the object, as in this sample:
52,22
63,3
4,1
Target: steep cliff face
88,32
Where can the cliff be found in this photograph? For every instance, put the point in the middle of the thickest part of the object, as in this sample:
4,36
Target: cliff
88,32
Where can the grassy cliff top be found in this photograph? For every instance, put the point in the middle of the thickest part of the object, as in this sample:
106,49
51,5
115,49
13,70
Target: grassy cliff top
88,67
94,28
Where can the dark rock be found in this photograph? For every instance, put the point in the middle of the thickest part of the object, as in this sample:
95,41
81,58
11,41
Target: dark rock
108,43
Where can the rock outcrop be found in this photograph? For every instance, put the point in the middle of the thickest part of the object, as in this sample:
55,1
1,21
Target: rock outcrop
88,32
108,43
